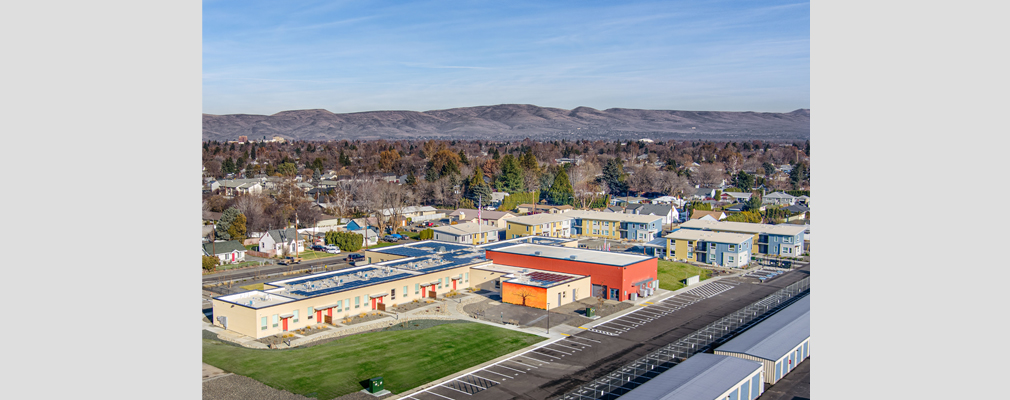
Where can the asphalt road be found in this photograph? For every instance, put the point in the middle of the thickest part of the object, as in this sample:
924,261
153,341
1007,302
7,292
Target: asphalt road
588,355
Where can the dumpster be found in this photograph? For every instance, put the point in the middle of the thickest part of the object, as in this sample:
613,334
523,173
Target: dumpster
375,385
590,312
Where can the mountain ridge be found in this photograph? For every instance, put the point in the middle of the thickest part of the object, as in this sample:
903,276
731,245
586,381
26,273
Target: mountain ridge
512,122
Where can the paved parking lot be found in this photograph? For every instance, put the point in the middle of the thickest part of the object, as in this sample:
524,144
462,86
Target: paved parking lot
558,365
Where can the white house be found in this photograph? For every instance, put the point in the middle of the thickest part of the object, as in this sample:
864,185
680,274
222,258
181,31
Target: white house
369,237
227,252
282,242
779,198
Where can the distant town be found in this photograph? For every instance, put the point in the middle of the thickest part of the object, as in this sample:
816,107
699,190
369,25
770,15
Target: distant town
478,269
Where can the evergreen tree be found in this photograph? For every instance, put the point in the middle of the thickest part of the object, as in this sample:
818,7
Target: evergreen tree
476,188
615,178
222,230
529,162
769,168
462,158
411,179
511,178
496,155
316,175
228,166
561,191
744,181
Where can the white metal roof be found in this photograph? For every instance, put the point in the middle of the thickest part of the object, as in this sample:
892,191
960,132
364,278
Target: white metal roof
702,377
774,337
708,236
744,227
581,255
468,228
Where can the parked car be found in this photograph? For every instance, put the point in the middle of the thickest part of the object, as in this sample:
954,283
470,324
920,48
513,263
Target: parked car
429,224
317,247
391,238
290,260
331,249
355,256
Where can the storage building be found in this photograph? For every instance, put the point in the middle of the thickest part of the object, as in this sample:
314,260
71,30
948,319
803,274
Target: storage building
780,342
704,377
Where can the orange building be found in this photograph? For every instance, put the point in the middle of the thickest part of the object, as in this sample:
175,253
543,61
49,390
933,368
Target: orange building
524,295
539,289
614,276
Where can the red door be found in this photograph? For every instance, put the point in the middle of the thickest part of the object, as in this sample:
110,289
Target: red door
453,284
424,291
329,312
380,300
232,257
373,303
284,321
319,315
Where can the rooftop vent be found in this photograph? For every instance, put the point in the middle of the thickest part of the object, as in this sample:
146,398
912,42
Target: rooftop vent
536,253
573,256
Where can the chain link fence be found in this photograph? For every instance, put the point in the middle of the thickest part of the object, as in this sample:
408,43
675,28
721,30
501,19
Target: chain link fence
624,379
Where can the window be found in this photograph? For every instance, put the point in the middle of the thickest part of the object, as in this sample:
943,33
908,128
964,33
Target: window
787,240
732,247
417,288
467,279
311,313
295,317
357,301
404,292
439,283
275,320
392,294
730,259
340,305
263,323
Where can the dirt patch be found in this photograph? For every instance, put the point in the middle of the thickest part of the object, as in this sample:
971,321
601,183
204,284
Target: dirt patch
210,371
361,318
411,305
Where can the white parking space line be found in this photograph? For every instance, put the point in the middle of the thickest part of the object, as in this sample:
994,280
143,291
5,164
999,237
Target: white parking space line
525,364
428,391
559,351
636,318
506,376
452,388
653,313
516,370
567,347
486,379
579,337
548,355
531,358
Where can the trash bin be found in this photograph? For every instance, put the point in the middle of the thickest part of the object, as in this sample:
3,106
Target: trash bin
590,312
375,385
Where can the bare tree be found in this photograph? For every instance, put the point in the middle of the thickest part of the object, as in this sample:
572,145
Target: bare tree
252,206
708,175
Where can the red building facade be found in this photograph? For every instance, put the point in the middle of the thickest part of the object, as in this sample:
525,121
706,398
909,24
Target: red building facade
613,282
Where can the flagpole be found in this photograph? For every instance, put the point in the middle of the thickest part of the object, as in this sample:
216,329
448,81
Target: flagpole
480,206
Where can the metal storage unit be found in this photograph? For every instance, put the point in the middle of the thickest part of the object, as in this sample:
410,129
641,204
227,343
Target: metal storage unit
704,377
780,342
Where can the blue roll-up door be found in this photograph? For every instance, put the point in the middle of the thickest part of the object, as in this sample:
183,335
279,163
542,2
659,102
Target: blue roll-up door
806,350
745,391
755,386
778,371
734,395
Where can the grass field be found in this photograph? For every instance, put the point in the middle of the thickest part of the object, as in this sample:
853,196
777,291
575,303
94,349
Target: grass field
255,286
671,273
383,244
405,359
313,255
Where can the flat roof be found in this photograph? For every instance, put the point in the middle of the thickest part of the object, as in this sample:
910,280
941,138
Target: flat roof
709,236
544,240
703,376
255,299
745,227
468,228
537,219
613,216
774,337
581,255
424,248
538,278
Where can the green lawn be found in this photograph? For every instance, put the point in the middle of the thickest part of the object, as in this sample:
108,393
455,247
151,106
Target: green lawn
405,359
312,255
671,273
251,247
255,286
382,244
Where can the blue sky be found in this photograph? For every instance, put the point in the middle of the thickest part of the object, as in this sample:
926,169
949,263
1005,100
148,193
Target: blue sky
263,57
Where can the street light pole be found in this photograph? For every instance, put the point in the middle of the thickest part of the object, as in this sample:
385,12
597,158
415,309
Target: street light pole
548,318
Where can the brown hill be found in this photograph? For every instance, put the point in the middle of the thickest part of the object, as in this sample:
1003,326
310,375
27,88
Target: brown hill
512,122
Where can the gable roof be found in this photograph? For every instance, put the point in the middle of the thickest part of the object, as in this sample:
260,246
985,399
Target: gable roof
796,208
655,209
779,195
702,376
284,235
468,213
222,247
774,337
696,214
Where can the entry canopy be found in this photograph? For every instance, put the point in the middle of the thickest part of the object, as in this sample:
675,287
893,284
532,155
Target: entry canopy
287,316
326,307
375,296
